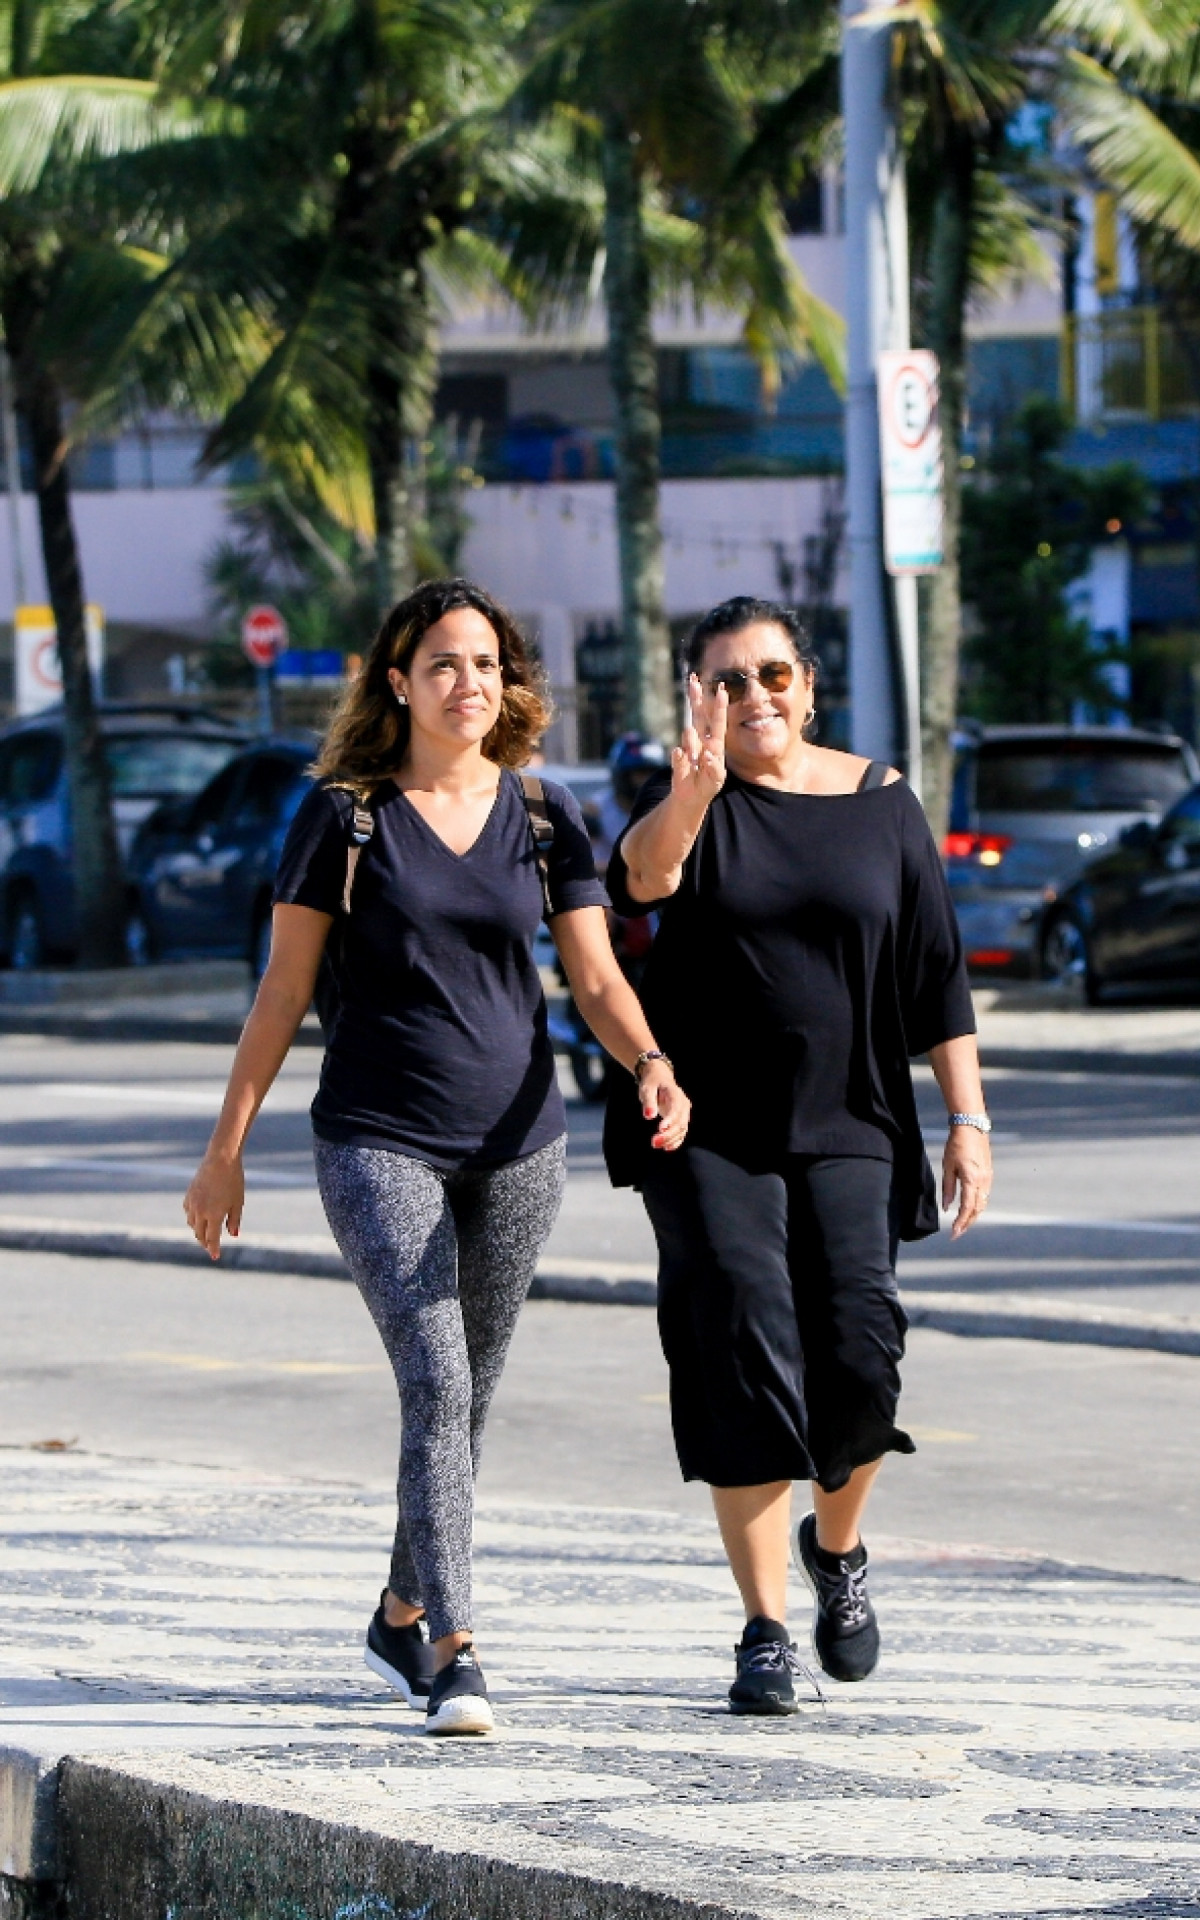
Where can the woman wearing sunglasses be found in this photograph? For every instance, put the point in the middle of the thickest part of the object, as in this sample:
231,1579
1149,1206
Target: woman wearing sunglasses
807,948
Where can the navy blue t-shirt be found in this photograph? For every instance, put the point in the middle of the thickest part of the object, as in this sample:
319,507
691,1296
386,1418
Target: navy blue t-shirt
440,1048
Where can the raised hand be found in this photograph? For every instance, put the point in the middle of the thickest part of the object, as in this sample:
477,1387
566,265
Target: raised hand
698,762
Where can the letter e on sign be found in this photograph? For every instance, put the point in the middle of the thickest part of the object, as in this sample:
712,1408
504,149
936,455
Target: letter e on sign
910,459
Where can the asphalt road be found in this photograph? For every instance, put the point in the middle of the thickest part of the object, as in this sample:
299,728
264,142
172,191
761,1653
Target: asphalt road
1077,1452
1096,1193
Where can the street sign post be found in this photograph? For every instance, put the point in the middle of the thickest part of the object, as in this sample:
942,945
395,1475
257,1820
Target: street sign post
910,440
264,637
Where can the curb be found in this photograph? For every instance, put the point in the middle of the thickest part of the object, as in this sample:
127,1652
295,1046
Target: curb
122,1842
612,1283
223,1031
1178,1065
203,1029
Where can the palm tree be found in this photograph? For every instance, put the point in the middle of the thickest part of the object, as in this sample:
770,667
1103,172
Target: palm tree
966,67
67,103
662,95
360,182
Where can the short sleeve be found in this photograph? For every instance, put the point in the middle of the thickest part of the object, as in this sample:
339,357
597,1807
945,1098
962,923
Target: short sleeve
312,866
935,994
571,864
654,792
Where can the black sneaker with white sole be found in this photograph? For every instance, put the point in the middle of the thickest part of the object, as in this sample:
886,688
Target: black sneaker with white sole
400,1655
768,1668
845,1630
458,1702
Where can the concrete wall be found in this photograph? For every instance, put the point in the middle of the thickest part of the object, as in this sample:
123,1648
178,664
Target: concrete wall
143,553
555,547
552,546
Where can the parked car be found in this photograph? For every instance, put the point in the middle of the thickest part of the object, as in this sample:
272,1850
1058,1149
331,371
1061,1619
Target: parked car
155,752
589,782
202,869
1031,807
1134,914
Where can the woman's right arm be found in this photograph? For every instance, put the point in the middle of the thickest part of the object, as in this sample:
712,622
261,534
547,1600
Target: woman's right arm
216,1195
654,851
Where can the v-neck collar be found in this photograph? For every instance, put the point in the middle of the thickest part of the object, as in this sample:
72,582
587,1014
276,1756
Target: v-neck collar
436,837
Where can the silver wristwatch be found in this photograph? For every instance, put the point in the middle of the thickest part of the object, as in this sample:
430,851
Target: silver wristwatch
979,1120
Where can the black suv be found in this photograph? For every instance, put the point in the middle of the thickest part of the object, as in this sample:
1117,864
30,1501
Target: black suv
155,752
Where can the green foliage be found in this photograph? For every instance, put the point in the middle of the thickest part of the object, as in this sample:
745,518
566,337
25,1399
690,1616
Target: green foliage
1029,524
294,555
726,103
287,549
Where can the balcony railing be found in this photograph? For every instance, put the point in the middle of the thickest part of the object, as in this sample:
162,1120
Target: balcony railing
1132,363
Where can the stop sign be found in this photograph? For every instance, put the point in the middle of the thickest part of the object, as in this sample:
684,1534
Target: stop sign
264,635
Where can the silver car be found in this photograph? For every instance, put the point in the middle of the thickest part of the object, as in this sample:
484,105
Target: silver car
1031,807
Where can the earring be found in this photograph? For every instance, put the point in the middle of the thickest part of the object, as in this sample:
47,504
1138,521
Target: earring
401,699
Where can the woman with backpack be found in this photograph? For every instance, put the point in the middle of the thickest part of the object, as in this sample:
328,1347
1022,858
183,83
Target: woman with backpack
439,1128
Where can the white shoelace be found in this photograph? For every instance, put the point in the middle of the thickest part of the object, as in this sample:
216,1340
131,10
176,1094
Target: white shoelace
775,1656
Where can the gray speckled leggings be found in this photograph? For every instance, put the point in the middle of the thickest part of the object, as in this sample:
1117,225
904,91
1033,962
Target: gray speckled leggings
443,1261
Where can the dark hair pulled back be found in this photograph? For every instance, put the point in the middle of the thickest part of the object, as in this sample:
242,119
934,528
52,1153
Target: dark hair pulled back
746,610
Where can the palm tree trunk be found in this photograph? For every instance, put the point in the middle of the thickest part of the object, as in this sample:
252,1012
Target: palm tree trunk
99,878
633,369
385,450
942,626
400,411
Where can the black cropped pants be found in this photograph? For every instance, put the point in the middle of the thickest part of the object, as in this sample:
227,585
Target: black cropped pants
779,1315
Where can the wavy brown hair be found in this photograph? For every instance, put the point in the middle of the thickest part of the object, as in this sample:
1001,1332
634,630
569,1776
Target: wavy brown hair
369,733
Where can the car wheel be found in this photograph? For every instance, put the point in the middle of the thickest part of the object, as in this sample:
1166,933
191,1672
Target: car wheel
139,948
1067,958
26,943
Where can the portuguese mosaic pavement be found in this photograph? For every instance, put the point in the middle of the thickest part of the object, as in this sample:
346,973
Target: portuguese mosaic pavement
1030,1745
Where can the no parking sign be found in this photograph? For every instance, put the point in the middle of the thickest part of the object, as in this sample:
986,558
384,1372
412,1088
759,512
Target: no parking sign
37,673
910,456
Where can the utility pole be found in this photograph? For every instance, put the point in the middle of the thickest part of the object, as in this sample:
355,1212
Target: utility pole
882,668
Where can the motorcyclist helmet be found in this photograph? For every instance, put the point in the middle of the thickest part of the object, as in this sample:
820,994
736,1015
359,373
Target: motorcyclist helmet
631,761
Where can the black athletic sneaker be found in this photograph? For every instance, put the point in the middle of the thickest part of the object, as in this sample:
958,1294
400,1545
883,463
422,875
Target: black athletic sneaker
845,1630
400,1655
767,1670
458,1702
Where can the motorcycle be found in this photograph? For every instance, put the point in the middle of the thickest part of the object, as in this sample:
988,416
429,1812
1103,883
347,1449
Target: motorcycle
590,1065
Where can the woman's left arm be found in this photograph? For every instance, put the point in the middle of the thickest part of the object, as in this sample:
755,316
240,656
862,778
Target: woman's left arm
614,1013
967,1161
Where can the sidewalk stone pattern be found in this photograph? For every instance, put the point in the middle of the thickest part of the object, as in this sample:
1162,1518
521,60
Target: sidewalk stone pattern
1030,1745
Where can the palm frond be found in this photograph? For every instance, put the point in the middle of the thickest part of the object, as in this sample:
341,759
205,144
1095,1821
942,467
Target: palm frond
304,409
79,119
972,73
1006,251
1130,146
1121,29
791,130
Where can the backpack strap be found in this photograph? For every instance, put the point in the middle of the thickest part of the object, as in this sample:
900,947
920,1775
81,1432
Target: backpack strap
359,828
541,827
875,774
362,826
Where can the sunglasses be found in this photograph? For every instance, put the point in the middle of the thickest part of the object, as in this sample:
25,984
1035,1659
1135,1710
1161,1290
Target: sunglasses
774,676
